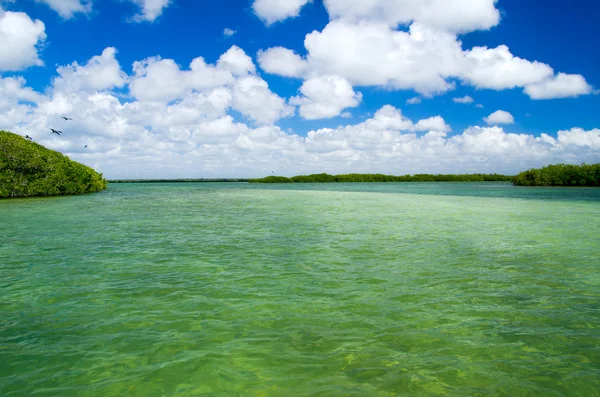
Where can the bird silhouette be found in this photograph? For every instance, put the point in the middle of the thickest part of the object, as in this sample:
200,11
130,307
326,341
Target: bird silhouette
28,137
85,146
57,132
66,118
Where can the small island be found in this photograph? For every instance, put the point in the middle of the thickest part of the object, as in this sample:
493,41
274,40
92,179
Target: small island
560,175
28,169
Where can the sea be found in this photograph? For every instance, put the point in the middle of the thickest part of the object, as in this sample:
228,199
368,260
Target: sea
237,289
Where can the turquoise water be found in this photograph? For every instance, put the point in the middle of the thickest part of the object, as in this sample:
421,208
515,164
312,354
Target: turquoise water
305,290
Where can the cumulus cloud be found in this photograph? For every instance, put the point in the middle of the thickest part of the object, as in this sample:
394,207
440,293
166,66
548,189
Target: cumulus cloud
271,11
237,62
99,73
435,123
150,9
17,101
281,61
375,55
422,59
252,97
15,89
459,16
162,80
498,69
413,101
453,15
157,79
20,39
325,97
68,8
363,44
465,99
195,133
560,86
499,117
578,137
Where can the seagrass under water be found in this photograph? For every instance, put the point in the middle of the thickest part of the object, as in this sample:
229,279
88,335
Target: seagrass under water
314,290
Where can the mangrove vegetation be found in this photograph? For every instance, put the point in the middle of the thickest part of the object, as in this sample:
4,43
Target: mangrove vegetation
326,178
29,169
186,180
560,175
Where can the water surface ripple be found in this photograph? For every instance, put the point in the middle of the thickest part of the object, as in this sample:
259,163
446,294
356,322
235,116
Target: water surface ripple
251,290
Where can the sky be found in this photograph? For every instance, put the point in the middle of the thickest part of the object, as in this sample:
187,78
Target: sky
248,88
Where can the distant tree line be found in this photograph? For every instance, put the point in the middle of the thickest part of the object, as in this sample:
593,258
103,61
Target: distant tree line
178,180
560,175
326,178
29,169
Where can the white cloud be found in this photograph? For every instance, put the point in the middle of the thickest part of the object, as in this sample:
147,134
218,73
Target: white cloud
20,38
465,99
281,61
560,86
579,137
162,80
14,89
499,117
388,117
271,11
237,62
195,132
229,32
252,97
325,97
375,55
453,15
150,9
423,59
101,72
158,79
68,8
435,123
367,51
498,69
479,105
15,101
413,101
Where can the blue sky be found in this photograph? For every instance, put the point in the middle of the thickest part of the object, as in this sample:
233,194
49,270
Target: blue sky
255,129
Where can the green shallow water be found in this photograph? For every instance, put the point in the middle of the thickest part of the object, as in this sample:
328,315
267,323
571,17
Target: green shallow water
253,290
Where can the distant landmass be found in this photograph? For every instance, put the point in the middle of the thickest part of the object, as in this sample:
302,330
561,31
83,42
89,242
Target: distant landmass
326,178
552,175
560,175
178,180
28,169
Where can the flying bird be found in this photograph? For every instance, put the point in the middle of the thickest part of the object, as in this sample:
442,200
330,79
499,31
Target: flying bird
57,132
85,146
28,137
66,118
